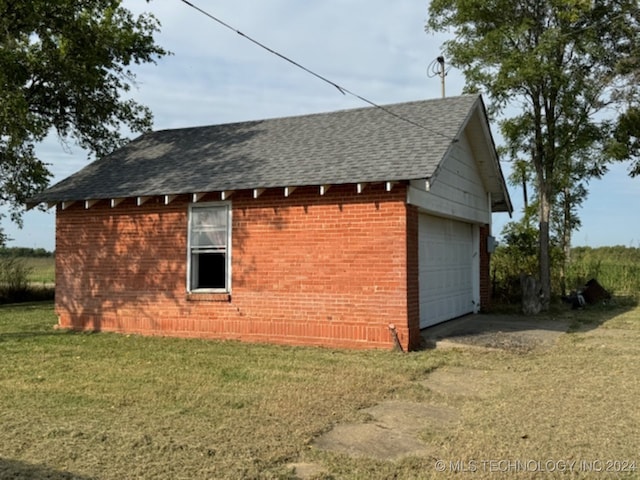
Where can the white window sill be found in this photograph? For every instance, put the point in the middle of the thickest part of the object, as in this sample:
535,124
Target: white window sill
204,296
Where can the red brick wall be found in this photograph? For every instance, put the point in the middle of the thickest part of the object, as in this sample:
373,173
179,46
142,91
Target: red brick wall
307,269
485,272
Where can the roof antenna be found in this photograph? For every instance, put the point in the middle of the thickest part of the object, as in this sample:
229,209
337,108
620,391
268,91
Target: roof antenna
437,68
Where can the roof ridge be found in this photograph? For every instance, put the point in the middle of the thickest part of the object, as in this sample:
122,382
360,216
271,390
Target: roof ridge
318,114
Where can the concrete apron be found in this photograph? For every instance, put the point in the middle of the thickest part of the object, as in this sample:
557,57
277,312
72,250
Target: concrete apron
490,331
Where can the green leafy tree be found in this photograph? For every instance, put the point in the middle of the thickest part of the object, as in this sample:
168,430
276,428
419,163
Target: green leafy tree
625,142
554,65
626,138
64,67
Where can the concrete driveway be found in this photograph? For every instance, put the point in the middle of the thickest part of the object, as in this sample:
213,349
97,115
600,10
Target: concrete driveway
508,332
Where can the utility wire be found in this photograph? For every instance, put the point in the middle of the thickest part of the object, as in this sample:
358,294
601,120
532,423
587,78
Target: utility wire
341,89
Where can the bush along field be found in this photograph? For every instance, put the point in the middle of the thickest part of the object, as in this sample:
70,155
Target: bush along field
617,269
26,275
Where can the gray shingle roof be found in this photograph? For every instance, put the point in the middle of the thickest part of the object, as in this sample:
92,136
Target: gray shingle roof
349,146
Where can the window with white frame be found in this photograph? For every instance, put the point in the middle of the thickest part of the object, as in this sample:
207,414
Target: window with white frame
209,267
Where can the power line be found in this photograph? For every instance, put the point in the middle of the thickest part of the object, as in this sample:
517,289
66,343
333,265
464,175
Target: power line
341,89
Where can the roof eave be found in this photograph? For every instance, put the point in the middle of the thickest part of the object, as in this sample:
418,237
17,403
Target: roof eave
142,197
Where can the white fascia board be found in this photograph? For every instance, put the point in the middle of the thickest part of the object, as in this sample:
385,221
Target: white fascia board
427,202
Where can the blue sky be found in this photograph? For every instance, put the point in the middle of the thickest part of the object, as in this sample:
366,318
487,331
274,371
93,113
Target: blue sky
375,48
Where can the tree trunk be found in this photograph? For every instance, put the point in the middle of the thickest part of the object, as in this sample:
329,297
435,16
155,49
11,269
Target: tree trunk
524,191
530,295
566,240
544,177
545,260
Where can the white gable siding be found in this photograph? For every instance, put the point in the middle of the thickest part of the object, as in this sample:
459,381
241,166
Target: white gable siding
457,190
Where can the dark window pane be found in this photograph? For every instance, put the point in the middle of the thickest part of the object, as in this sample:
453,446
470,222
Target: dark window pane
211,270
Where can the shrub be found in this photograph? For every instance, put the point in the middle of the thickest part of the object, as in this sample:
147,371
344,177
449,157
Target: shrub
14,281
518,254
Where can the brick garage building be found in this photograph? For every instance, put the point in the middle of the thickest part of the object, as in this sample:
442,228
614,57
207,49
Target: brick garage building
322,229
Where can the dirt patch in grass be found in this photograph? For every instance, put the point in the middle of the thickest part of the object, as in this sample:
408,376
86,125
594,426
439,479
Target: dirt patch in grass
392,430
467,382
306,470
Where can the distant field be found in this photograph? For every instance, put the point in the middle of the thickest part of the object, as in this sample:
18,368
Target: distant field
616,268
42,269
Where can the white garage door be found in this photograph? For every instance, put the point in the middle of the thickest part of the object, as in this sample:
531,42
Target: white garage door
446,269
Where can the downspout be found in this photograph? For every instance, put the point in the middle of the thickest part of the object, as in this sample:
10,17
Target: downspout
396,340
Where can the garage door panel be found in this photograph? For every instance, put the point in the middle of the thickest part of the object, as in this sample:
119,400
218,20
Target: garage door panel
445,269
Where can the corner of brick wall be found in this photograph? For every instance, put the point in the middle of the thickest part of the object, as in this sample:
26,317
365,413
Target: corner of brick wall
413,280
485,270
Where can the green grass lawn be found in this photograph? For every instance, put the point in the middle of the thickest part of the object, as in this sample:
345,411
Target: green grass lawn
109,406
116,406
